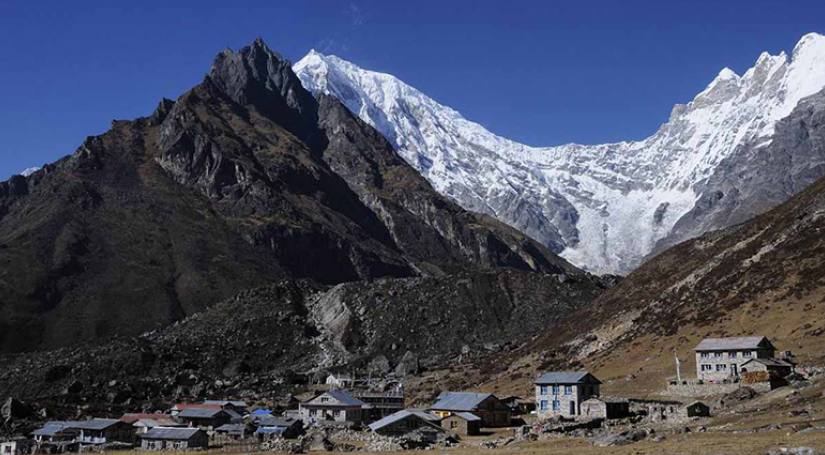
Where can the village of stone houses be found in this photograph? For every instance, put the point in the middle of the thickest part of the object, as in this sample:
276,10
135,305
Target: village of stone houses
571,410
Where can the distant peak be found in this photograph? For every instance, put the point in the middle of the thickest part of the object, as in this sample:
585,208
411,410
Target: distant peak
810,42
726,73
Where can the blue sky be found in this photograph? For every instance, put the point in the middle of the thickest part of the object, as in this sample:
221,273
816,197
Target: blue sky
539,72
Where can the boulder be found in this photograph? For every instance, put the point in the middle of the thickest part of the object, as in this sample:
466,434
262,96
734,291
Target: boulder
14,409
409,364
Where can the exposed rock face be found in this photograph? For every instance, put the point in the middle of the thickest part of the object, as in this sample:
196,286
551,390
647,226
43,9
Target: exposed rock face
244,179
252,345
756,178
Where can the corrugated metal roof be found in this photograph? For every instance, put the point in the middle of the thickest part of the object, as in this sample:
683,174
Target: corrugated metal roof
770,362
231,428
176,434
131,417
468,416
401,415
460,401
730,343
94,424
273,421
564,377
342,396
236,403
51,428
156,422
270,430
201,413
608,399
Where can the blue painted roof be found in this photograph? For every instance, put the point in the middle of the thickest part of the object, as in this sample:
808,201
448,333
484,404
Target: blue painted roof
260,412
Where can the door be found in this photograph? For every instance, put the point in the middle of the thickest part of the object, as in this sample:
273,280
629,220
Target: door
734,370
572,408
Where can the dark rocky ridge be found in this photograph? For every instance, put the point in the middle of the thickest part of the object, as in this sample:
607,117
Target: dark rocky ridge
262,342
243,180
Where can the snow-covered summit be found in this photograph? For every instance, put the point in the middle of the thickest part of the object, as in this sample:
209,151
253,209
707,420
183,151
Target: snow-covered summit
604,207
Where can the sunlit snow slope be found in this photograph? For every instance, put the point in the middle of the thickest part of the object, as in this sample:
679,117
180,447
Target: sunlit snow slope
604,207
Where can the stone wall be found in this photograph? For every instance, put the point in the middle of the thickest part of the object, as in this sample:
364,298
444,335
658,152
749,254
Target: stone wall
692,390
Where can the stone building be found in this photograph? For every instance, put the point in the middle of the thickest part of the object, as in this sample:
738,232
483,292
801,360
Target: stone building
332,406
721,359
162,438
103,431
405,421
775,368
605,408
560,393
205,418
695,409
378,405
462,423
491,410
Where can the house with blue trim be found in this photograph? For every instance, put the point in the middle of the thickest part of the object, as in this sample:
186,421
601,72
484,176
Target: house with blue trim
561,393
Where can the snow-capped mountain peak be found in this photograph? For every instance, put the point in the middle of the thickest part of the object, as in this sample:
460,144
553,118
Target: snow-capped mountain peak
604,207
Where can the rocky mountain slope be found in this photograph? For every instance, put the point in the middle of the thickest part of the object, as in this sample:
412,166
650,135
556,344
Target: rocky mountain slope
244,179
762,277
262,342
604,207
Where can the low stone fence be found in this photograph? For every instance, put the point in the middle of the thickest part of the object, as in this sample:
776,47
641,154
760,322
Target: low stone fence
700,389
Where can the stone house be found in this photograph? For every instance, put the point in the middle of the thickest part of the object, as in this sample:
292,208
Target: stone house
143,422
774,368
721,359
229,432
103,431
205,418
162,438
378,405
332,406
142,426
270,427
605,408
340,380
238,406
405,421
560,393
17,446
491,410
695,409
55,432
462,423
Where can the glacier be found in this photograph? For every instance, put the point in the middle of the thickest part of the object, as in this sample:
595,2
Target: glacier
602,207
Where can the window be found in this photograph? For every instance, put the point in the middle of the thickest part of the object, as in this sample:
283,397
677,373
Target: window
721,367
747,354
705,355
718,355
543,390
732,355
555,390
543,405
568,390
556,405
324,399
707,367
